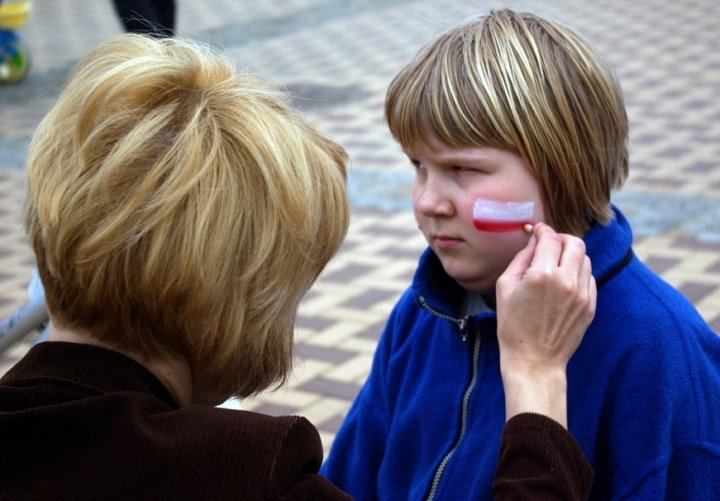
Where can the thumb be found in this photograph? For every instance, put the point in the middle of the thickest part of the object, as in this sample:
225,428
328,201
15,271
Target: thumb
521,262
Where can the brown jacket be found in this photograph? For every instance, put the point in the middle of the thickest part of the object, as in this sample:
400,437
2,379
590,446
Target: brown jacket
81,422
540,460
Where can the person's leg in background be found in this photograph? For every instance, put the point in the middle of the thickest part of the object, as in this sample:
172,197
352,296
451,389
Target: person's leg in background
154,17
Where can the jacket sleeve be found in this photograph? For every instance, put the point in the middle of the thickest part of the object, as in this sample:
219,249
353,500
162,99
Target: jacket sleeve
357,451
295,472
539,459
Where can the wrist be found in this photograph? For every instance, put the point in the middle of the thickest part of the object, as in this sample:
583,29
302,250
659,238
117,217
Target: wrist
535,388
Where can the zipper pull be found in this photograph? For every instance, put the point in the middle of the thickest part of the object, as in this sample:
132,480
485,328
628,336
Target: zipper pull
463,326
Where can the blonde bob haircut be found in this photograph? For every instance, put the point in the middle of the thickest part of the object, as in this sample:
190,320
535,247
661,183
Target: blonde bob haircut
522,83
177,208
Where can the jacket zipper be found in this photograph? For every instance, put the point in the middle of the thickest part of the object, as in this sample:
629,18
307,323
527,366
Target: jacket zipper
462,324
463,420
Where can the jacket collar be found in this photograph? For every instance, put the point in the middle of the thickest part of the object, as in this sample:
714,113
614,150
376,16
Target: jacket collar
97,369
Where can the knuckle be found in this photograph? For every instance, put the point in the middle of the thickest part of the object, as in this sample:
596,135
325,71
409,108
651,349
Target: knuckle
581,245
569,288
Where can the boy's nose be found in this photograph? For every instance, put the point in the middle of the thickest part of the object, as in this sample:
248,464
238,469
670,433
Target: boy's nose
433,201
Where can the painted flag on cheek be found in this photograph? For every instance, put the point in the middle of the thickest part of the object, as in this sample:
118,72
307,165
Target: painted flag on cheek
496,217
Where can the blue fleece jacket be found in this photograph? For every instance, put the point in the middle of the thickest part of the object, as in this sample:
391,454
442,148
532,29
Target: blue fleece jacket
643,392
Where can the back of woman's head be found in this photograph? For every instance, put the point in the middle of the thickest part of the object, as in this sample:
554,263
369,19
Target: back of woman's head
176,208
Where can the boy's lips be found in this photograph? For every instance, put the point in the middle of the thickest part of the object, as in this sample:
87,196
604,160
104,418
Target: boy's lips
446,241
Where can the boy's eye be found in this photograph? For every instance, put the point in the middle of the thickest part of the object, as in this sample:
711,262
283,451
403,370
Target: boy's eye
417,164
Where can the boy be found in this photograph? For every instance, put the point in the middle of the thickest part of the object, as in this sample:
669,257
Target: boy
514,109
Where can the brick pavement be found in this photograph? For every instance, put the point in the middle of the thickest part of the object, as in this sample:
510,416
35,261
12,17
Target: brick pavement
337,58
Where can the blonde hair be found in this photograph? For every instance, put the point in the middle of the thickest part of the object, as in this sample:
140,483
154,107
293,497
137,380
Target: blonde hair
519,82
176,208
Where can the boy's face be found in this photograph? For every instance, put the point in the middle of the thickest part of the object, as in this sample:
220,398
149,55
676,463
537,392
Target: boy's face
448,181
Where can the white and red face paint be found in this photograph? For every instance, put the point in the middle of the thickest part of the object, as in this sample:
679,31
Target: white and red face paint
496,217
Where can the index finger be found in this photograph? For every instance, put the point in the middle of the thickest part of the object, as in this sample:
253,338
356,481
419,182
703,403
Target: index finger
548,249
573,252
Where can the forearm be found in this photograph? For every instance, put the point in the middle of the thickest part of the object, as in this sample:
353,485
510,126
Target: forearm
530,388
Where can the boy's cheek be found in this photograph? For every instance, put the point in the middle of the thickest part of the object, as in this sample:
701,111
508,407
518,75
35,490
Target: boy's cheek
498,243
488,257
496,250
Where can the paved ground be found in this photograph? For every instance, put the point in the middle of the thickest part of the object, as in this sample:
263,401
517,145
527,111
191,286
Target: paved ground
337,58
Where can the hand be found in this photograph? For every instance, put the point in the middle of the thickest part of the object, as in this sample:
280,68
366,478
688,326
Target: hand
545,302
